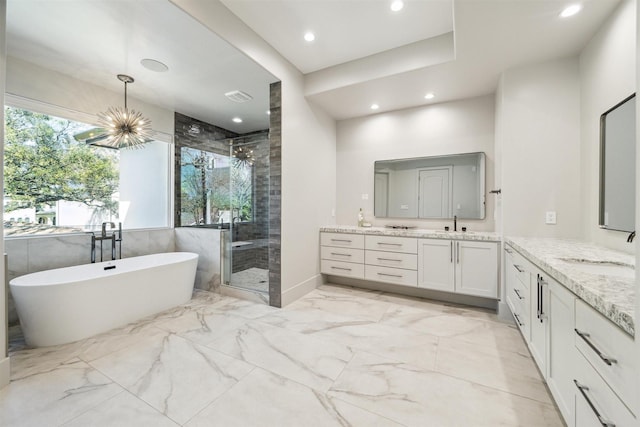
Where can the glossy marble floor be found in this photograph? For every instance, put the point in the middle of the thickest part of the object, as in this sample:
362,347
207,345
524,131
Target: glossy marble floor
337,357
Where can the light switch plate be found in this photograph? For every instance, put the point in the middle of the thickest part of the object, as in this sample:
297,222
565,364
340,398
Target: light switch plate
365,196
550,217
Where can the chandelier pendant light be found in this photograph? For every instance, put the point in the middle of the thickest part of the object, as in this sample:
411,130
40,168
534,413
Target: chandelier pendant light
124,128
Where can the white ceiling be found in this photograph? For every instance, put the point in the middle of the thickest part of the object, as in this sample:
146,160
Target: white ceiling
490,36
363,53
95,40
344,30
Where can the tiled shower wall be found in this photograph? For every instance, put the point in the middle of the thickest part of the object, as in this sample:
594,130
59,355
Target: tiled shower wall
275,185
32,254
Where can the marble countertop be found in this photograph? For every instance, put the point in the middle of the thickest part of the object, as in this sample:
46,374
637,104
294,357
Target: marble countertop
414,232
611,295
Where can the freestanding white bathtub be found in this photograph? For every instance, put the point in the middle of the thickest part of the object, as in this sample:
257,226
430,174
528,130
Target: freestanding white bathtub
68,304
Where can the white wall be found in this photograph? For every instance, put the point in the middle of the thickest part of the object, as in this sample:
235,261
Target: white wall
607,76
439,129
308,151
539,138
144,186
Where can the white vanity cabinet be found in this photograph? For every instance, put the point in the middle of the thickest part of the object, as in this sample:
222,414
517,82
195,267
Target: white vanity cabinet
391,259
539,306
562,350
517,295
342,254
609,383
460,266
587,361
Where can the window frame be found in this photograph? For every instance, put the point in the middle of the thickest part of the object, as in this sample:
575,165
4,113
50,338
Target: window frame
36,106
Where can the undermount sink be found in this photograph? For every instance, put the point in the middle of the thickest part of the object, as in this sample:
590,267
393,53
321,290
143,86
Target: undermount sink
604,268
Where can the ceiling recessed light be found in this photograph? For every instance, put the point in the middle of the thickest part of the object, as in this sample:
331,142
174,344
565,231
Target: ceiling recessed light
430,95
396,5
571,10
374,106
237,120
268,112
153,65
309,36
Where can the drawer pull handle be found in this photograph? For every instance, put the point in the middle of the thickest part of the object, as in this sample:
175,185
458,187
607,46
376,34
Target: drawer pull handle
518,294
390,244
339,254
583,389
390,275
340,268
606,359
517,267
341,240
518,320
389,259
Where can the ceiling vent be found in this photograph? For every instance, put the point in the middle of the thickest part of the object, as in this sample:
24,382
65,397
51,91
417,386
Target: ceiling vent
238,96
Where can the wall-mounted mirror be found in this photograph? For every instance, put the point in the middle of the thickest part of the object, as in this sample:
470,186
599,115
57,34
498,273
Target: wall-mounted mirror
431,187
618,166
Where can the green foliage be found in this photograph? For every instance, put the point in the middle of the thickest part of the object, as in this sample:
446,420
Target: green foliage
45,164
226,188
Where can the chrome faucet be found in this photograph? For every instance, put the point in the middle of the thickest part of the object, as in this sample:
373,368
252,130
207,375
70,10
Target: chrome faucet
631,236
104,228
116,236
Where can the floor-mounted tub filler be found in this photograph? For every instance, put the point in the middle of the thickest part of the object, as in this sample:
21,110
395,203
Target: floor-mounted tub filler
68,304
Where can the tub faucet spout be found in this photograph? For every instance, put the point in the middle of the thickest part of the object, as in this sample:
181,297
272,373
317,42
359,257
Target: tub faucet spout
104,227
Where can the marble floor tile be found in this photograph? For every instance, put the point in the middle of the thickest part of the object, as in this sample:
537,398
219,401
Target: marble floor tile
443,307
346,301
204,325
469,329
266,399
124,409
53,397
312,362
174,375
412,397
503,370
241,307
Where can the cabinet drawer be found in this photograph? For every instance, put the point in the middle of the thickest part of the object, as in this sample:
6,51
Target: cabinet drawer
519,266
397,276
392,244
342,254
599,339
591,389
339,268
395,260
342,240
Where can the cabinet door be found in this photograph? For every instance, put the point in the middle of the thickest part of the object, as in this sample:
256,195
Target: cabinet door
510,280
539,320
435,264
562,350
476,268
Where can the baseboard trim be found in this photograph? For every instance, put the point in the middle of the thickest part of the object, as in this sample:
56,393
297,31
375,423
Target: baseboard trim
301,289
5,372
412,291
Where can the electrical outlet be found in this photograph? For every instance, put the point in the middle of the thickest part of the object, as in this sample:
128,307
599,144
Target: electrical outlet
550,217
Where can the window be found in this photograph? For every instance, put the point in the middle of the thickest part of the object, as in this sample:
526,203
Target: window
215,188
57,184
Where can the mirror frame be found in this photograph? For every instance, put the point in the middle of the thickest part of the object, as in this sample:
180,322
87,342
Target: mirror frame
602,171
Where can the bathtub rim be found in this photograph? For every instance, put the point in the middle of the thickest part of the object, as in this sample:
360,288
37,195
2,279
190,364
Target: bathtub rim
17,281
